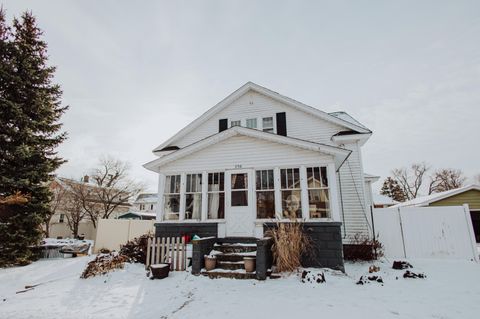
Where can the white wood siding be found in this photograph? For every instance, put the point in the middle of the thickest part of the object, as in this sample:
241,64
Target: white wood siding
245,152
255,105
355,218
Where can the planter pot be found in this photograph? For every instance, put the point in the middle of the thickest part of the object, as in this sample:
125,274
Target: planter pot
250,263
160,271
210,262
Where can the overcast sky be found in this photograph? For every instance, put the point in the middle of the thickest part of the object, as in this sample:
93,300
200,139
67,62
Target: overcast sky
136,72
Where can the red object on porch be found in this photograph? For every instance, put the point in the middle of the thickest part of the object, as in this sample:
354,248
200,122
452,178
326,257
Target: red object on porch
187,238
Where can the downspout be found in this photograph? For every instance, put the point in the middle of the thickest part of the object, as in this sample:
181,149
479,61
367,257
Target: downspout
341,204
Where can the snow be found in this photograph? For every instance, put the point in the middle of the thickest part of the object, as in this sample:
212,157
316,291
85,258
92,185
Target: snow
451,290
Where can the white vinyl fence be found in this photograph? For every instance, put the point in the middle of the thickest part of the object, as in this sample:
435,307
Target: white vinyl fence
426,232
111,233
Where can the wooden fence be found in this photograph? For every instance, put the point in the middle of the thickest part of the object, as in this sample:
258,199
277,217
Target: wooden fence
167,250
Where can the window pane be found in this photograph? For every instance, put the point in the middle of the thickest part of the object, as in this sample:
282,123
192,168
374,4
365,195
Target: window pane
324,177
176,189
239,198
216,205
252,123
291,204
283,178
267,122
171,206
235,123
318,203
266,204
271,182
239,181
193,206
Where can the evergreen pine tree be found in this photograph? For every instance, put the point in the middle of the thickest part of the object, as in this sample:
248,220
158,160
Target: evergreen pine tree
30,108
391,189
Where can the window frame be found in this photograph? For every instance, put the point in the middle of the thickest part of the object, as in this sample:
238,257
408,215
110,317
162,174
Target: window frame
167,192
273,190
299,189
187,192
320,188
273,124
252,119
216,192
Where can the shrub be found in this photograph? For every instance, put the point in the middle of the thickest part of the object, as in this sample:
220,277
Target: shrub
362,247
102,264
289,244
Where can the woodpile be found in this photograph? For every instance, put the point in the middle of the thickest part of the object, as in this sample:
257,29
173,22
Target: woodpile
104,263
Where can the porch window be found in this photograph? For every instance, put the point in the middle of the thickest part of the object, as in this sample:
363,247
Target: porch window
216,196
318,194
291,193
265,194
171,197
252,123
267,124
235,123
193,196
239,185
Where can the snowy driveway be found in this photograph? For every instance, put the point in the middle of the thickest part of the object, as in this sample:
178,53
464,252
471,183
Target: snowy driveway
452,290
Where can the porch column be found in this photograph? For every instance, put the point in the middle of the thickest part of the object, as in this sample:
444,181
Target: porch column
304,192
334,193
204,196
278,196
183,181
161,189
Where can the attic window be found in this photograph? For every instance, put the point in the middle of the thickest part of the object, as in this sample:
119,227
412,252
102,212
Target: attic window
235,123
268,124
252,123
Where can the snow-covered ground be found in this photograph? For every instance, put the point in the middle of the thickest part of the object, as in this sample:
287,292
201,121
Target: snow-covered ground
451,290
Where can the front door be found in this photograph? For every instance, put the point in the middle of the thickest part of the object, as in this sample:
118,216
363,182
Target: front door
239,201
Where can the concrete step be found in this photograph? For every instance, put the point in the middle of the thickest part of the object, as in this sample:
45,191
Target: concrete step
235,274
235,248
235,256
230,265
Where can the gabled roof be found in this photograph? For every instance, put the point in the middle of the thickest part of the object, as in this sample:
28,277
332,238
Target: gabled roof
344,120
427,200
340,154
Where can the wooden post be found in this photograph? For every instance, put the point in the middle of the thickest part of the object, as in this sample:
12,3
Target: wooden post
167,252
177,253
147,263
172,253
157,255
163,251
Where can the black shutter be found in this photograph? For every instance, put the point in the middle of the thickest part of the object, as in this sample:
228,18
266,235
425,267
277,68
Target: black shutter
281,124
222,124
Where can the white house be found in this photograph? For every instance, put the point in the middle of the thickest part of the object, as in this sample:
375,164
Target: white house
257,157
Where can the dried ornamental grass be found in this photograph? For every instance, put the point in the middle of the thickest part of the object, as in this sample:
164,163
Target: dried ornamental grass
289,244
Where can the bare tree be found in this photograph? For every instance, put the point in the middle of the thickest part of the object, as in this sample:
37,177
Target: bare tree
446,179
411,179
110,188
58,196
74,207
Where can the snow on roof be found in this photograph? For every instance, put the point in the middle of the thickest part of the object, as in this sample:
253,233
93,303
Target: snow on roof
425,200
146,198
348,118
380,199
371,177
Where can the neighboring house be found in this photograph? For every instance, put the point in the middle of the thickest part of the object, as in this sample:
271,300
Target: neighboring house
259,157
144,207
469,195
58,225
